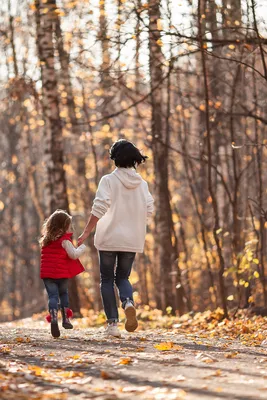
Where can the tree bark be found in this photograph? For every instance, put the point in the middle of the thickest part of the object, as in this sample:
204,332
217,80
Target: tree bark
55,190
163,219
216,225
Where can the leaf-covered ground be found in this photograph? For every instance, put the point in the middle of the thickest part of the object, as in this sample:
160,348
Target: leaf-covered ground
190,358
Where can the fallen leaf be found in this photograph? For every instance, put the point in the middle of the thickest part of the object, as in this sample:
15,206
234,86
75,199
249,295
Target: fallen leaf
105,375
125,361
231,355
5,349
166,346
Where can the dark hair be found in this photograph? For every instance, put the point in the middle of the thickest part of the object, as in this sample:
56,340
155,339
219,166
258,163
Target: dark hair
125,154
54,227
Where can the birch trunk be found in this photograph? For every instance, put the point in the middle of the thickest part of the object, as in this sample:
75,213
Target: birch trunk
55,190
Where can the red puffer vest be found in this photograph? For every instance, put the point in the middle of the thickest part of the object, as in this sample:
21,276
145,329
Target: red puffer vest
55,262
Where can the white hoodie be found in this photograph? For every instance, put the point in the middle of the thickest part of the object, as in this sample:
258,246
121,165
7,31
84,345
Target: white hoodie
122,204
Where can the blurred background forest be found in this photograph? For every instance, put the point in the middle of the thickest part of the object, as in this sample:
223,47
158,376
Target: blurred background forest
186,81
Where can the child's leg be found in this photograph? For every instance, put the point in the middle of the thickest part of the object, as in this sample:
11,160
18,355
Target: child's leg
64,303
63,293
124,267
52,291
107,261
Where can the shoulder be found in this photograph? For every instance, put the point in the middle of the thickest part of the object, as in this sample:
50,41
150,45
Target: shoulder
105,179
66,237
144,183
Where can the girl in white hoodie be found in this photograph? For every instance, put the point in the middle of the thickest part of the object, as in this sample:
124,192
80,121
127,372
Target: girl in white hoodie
120,210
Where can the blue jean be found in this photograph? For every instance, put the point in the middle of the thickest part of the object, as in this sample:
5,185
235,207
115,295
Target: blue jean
115,267
57,289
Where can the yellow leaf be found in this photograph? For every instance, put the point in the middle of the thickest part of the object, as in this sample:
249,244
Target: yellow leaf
218,104
256,274
255,260
159,42
106,128
126,361
231,46
230,298
5,349
164,346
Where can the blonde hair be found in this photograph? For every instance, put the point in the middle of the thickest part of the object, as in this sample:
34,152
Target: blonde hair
54,227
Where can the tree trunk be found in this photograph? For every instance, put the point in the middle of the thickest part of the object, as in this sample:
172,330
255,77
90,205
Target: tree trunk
216,225
55,190
163,219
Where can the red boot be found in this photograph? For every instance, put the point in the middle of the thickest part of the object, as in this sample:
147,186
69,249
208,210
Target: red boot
66,315
52,318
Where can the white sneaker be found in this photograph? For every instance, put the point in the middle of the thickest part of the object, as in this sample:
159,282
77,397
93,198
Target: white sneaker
113,330
131,322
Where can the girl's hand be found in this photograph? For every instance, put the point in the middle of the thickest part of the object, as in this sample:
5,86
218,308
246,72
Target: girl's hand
92,221
81,239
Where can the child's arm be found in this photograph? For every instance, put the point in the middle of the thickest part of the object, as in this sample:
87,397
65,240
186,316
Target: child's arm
91,223
72,251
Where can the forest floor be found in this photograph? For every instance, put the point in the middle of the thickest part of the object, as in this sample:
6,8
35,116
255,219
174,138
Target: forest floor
201,357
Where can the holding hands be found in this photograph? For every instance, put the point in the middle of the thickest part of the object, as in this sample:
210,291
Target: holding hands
91,223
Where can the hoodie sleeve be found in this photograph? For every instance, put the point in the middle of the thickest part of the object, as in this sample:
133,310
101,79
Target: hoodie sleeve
72,251
102,199
150,204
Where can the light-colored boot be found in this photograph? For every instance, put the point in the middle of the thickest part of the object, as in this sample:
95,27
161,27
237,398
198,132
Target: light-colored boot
131,322
113,330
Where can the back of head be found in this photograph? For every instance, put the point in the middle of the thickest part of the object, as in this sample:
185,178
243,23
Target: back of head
125,154
55,226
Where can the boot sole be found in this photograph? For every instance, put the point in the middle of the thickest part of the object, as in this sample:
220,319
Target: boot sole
55,332
131,322
67,326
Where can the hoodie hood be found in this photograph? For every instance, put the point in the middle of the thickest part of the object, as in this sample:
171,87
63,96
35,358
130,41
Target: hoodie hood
128,177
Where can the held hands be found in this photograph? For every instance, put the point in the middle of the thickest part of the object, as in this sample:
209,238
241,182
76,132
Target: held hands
81,239
92,221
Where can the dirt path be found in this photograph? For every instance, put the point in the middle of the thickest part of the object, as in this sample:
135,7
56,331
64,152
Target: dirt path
84,364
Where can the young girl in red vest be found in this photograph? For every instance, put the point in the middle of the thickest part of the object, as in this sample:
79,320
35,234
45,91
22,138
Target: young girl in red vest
59,262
